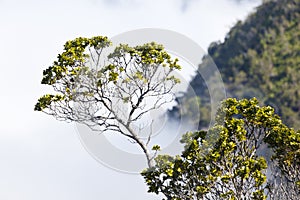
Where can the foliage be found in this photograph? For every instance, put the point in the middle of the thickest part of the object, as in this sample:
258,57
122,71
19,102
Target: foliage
260,57
109,93
229,161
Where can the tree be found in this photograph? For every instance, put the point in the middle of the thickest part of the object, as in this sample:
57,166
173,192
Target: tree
109,93
285,168
231,159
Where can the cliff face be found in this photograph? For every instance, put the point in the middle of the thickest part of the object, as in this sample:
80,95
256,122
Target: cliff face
260,57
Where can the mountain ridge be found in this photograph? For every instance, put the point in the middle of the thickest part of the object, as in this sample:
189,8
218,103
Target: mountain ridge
260,57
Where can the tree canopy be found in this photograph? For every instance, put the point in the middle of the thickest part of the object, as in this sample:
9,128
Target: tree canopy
248,154
109,91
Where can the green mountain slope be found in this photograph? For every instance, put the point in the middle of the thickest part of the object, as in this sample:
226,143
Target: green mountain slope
260,57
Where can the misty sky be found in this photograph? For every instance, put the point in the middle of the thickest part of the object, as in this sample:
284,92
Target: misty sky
42,158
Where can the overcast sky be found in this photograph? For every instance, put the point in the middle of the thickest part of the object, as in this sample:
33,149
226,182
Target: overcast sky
42,158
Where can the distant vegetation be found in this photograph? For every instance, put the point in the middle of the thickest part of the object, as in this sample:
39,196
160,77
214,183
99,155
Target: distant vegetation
260,58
